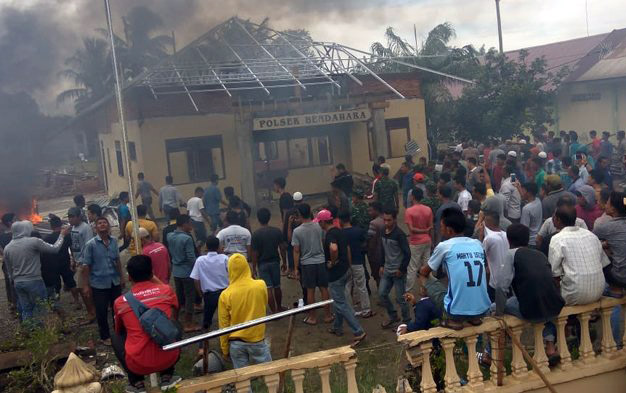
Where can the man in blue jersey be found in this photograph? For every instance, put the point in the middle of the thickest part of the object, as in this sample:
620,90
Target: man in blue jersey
463,259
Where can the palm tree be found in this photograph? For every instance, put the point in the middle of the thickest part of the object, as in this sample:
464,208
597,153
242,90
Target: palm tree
91,71
142,48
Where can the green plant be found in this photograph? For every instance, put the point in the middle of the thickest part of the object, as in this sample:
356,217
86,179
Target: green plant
39,373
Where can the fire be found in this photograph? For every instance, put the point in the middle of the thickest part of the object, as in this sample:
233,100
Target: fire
34,216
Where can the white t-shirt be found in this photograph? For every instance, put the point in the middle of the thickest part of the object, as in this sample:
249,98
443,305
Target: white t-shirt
464,198
235,239
194,207
496,247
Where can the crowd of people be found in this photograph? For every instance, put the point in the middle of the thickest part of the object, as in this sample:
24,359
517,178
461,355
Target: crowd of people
500,227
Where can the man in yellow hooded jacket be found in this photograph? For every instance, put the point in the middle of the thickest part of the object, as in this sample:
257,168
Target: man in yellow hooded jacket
243,300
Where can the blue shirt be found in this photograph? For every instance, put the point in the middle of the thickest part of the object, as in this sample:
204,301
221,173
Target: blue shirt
464,261
124,211
211,199
102,262
183,252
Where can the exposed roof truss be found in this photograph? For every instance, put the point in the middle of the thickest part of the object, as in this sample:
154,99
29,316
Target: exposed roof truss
240,55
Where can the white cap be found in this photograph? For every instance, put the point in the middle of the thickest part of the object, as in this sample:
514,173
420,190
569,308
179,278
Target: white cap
143,232
297,196
522,141
542,154
512,153
459,148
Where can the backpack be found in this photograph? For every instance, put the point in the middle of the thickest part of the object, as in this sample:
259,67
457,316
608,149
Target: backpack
154,322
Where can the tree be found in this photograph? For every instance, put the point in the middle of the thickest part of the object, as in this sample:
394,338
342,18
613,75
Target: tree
91,71
508,98
434,53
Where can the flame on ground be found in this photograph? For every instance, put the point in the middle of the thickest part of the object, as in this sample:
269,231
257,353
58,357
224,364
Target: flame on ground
34,216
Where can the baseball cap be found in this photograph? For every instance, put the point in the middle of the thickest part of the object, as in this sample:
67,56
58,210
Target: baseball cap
542,154
297,196
323,215
74,212
418,177
512,153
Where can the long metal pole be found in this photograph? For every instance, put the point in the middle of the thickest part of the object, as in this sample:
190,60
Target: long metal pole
245,325
499,26
120,112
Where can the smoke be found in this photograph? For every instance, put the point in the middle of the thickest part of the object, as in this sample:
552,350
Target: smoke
37,36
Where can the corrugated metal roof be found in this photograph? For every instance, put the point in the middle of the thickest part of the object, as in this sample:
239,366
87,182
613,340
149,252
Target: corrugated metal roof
560,54
610,59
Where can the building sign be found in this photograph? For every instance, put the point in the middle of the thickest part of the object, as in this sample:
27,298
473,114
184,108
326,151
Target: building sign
311,119
586,97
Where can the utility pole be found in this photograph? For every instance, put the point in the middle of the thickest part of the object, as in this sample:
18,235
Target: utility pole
120,112
499,26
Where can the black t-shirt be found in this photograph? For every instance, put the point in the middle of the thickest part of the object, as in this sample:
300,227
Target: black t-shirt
289,213
5,239
265,241
52,264
335,235
284,203
356,240
538,296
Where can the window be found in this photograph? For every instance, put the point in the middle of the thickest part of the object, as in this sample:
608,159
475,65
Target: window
271,155
321,150
132,151
398,135
299,153
193,160
120,160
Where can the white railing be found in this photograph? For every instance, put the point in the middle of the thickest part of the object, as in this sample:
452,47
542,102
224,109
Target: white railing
271,372
419,346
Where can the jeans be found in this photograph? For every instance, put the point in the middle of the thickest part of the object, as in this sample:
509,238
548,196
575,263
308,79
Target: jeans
290,256
215,221
244,354
616,325
102,299
419,257
388,281
342,308
356,286
200,229
185,292
118,342
210,306
31,296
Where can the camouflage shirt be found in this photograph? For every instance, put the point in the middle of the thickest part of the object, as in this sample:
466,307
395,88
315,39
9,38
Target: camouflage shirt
359,215
431,202
386,191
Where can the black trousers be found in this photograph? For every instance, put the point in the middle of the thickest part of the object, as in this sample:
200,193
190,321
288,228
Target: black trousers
102,300
119,347
186,293
210,306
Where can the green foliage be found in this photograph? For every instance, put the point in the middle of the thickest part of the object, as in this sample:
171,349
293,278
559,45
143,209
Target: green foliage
508,98
38,375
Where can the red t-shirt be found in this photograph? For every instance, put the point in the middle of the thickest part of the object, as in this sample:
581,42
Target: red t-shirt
420,216
144,356
160,260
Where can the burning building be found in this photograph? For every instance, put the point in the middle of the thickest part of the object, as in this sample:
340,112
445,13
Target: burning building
250,103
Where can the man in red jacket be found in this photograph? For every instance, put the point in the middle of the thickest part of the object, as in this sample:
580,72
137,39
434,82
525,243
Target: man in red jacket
136,351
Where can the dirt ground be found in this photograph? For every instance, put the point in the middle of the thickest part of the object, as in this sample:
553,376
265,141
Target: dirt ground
379,348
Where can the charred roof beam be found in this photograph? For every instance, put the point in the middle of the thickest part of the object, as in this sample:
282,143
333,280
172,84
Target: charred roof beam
246,66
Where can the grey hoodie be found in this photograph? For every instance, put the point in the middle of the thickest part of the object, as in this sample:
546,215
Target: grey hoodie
22,254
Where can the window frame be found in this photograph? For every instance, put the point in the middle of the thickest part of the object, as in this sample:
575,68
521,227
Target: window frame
132,151
215,141
278,136
119,157
398,123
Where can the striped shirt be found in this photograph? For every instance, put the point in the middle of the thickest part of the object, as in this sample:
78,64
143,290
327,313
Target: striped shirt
577,257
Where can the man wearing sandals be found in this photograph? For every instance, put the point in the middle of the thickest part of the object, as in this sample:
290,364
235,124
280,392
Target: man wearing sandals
465,298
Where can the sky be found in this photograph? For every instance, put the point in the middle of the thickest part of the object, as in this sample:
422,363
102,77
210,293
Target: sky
355,23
